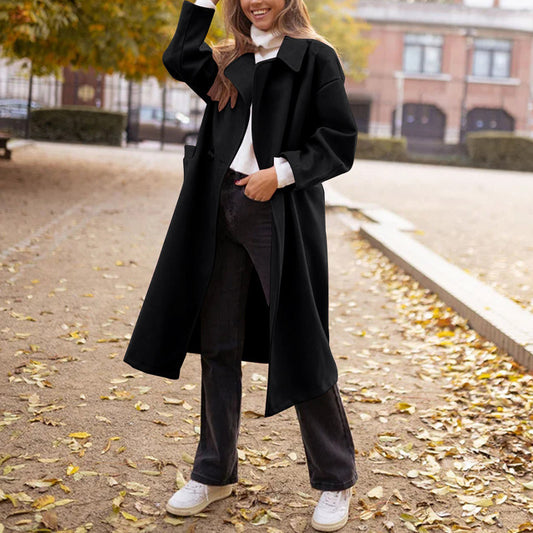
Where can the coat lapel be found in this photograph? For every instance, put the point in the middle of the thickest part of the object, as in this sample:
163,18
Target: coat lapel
241,73
241,70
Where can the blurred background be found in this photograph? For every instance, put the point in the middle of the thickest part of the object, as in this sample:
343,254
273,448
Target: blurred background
421,75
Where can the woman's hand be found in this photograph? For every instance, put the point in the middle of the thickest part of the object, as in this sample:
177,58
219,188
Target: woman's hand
260,185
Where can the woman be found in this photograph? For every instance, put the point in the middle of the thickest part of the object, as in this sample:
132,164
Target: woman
243,270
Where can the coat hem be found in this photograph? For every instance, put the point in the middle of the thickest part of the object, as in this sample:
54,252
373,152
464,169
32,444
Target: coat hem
154,371
291,403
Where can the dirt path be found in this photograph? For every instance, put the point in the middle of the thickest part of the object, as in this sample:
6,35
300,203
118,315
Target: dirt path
441,421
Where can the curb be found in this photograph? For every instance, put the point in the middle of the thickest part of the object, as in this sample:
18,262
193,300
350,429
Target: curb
492,315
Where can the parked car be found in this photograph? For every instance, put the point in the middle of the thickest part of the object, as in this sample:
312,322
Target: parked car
178,126
16,107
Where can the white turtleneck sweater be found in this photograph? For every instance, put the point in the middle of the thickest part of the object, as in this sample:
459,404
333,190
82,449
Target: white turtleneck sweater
245,160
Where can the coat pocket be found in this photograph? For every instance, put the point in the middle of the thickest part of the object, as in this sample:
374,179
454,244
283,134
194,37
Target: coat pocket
188,151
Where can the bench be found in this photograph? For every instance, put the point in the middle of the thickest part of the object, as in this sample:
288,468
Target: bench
4,138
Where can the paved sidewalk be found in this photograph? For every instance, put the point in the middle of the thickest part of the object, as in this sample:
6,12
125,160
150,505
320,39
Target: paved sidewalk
478,219
441,420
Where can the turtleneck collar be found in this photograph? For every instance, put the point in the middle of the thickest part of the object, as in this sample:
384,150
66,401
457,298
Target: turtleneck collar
265,39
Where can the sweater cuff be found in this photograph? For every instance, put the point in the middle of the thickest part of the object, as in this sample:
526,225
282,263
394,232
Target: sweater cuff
205,3
283,170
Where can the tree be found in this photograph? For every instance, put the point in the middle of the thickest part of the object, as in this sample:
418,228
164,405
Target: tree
124,36
334,20
129,36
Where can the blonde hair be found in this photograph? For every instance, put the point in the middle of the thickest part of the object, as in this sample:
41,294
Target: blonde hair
293,20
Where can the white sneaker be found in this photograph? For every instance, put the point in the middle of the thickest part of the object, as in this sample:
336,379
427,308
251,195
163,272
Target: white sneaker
331,512
195,497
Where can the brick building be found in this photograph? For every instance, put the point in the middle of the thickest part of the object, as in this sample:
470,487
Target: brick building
440,69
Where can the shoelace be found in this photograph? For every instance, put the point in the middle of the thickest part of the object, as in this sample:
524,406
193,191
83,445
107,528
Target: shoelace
194,487
331,498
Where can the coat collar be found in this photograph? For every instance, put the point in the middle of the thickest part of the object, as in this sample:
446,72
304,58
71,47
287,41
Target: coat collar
240,71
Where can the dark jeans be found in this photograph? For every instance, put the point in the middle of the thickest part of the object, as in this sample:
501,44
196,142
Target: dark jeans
243,242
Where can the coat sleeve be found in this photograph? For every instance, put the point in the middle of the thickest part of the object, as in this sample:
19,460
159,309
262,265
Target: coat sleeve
330,149
188,57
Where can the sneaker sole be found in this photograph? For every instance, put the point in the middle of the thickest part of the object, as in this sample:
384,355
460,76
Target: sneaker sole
329,527
189,511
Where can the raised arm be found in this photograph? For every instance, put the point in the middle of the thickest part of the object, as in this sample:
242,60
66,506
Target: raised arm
330,149
188,57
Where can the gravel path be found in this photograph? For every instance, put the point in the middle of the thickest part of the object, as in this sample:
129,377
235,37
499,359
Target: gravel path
441,420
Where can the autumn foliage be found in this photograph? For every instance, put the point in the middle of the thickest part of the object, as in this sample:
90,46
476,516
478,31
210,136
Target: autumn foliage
130,36
120,36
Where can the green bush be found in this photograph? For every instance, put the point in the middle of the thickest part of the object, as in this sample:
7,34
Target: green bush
500,150
78,124
383,148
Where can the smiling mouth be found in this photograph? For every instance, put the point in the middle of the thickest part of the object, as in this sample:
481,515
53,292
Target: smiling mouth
260,12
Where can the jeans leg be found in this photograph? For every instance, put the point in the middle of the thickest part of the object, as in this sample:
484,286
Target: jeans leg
222,341
327,441
249,222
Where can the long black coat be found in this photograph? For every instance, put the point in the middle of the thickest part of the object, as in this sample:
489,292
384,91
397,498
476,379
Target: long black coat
300,112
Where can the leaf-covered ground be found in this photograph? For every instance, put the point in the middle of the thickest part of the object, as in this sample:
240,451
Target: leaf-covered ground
441,419
479,219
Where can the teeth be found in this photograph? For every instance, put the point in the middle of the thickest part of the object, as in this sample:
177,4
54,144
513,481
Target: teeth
259,12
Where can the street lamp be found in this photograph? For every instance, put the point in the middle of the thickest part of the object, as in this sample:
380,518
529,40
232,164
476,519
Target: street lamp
469,34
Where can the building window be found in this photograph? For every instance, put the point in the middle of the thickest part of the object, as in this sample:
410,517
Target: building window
422,53
492,58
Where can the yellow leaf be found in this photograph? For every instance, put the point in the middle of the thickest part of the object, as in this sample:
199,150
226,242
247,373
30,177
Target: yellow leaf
180,480
71,469
129,516
255,488
445,333
42,501
405,407
445,343
117,501
13,499
187,458
500,498
79,435
173,521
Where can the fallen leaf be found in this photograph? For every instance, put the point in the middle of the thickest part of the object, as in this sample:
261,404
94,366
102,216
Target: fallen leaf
79,435
43,501
376,492
49,520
